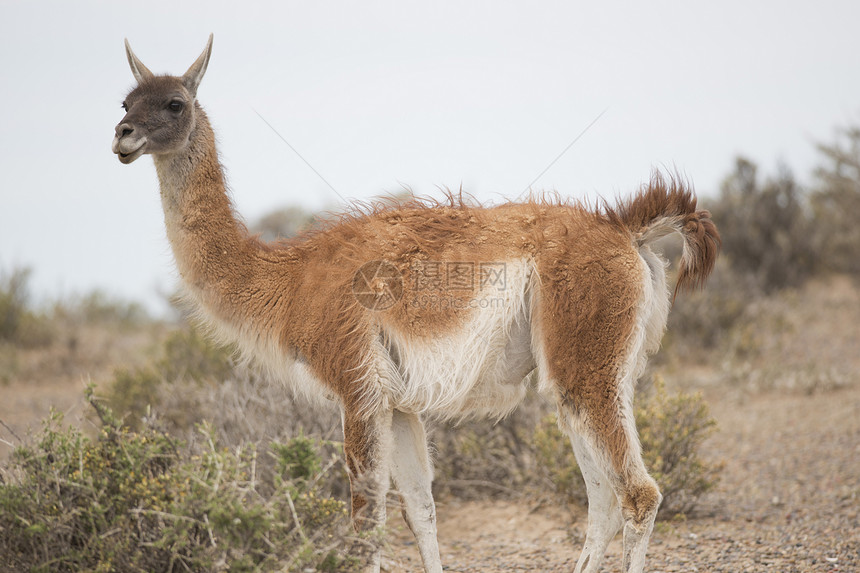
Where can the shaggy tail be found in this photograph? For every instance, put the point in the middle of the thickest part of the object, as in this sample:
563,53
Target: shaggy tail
669,206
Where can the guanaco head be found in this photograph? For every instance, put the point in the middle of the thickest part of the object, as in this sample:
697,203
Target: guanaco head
160,111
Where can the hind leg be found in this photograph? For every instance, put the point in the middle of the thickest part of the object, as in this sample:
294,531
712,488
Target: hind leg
604,513
620,491
639,508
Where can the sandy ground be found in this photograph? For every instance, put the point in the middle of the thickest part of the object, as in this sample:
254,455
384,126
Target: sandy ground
789,501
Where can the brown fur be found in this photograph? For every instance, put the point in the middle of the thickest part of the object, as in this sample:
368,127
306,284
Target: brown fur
300,292
589,291
639,501
670,198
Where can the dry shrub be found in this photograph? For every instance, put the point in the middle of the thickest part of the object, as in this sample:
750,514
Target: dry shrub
20,324
836,202
144,501
701,323
528,453
250,409
284,223
765,227
66,339
185,355
193,380
557,461
801,340
99,308
672,429
479,459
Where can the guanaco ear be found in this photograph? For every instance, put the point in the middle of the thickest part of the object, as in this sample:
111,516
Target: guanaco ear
192,77
140,71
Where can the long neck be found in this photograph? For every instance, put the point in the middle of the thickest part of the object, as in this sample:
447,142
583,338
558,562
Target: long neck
213,251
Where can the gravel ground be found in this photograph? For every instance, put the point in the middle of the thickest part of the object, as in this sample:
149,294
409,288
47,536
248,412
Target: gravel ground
789,501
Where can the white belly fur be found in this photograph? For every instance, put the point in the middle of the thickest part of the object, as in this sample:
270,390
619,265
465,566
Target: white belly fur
478,370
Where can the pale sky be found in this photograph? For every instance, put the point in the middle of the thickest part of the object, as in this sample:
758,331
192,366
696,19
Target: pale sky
379,95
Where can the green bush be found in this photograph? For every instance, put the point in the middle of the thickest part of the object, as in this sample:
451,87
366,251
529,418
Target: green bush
141,501
299,459
133,392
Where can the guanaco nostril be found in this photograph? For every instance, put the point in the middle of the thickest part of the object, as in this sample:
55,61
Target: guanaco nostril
124,129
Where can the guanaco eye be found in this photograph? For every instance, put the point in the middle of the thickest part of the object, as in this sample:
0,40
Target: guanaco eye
125,106
175,105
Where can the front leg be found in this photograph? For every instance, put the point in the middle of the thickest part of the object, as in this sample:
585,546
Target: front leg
413,477
367,443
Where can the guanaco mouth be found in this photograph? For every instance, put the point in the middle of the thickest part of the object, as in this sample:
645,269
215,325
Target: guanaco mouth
120,149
